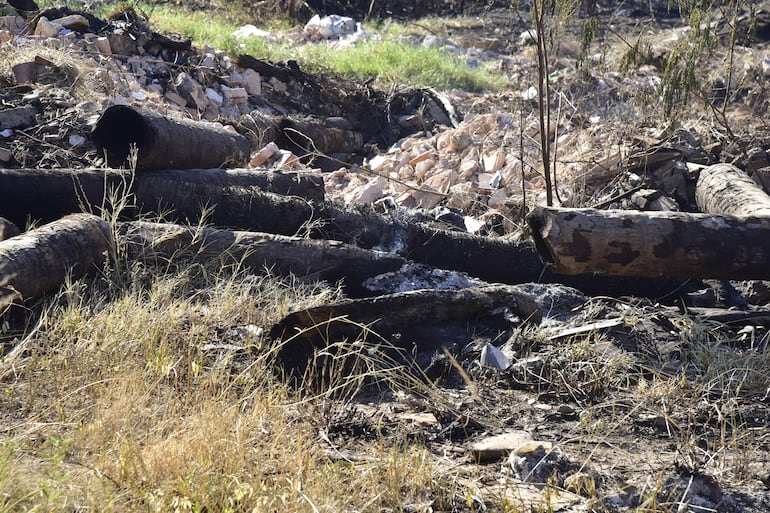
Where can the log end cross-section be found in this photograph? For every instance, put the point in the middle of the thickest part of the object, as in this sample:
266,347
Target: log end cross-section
166,143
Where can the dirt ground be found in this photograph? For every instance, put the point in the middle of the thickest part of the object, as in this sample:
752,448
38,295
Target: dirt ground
641,414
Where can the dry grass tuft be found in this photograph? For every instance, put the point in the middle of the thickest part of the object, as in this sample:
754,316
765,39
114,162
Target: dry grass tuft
142,392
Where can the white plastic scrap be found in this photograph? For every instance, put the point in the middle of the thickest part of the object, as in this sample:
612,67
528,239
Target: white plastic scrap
492,357
76,140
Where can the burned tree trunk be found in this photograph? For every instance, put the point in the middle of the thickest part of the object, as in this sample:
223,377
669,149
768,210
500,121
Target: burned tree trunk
725,189
314,138
185,195
418,321
652,244
40,260
48,194
166,143
491,260
307,259
7,229
360,226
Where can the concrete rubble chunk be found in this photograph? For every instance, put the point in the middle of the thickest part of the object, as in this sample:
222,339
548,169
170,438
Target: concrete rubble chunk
269,152
492,357
235,94
494,161
497,447
468,168
102,44
175,99
18,117
27,72
459,140
533,461
369,192
191,91
330,26
122,43
214,96
277,85
422,167
47,28
74,22
252,82
14,24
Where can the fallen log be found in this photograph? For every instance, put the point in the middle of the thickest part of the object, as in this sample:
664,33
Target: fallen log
165,143
418,321
184,198
8,229
309,137
492,260
305,258
48,194
652,244
725,189
360,226
38,261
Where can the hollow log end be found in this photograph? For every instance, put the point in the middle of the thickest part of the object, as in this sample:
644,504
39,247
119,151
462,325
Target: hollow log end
118,129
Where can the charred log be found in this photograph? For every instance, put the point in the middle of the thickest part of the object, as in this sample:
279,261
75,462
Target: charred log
419,321
725,189
39,261
309,137
49,194
165,143
652,244
8,229
305,258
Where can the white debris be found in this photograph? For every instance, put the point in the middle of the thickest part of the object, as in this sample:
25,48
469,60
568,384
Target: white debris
76,140
529,94
249,30
493,358
332,26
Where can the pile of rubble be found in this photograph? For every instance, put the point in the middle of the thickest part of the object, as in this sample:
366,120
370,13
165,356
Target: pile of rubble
476,155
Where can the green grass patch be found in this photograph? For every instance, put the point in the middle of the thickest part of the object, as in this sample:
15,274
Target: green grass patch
394,61
389,60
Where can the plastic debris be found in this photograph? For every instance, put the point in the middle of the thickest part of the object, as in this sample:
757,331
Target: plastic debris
492,357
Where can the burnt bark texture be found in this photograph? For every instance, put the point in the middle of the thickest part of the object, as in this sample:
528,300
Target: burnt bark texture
39,261
166,143
361,226
416,321
184,196
491,260
725,189
652,244
309,137
305,258
8,229
48,194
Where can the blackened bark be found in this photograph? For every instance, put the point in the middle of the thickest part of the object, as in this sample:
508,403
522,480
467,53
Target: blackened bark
38,261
